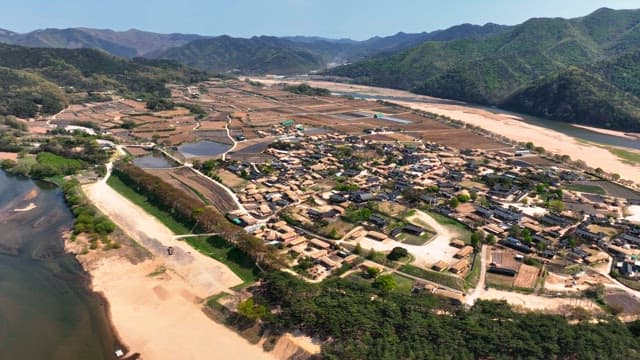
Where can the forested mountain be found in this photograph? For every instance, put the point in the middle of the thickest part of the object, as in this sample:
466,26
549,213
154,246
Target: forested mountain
257,55
500,68
344,50
33,79
284,55
606,94
128,44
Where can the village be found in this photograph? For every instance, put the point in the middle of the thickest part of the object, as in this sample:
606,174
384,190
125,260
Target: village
352,188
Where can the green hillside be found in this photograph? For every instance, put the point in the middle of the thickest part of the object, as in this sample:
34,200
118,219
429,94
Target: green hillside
250,56
41,76
21,94
606,94
499,69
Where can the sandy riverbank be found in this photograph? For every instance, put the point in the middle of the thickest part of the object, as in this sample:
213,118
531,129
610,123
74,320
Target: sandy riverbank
156,305
161,316
495,120
29,207
514,128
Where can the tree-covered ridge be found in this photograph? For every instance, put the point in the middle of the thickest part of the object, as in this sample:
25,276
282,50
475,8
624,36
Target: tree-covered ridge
361,322
34,76
128,44
22,93
605,94
262,54
305,89
499,69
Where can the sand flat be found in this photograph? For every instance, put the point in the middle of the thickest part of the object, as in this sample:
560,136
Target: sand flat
205,275
161,317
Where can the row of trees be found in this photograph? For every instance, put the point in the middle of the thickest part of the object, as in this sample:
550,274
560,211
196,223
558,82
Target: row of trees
195,215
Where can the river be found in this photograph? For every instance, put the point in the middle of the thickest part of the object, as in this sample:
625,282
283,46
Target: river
46,308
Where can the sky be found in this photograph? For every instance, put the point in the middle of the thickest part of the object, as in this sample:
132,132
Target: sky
355,19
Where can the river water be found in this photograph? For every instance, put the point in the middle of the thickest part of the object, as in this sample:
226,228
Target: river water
46,308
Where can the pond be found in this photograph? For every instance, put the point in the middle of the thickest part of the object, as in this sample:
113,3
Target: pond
153,161
203,148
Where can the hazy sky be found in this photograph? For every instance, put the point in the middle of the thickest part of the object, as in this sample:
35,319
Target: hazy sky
357,19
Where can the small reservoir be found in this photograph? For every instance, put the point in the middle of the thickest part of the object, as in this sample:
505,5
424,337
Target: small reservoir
203,148
153,161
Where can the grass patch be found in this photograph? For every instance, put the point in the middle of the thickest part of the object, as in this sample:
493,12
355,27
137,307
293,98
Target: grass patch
500,282
158,271
414,240
472,278
359,279
460,228
404,283
626,156
590,189
440,278
58,180
632,284
214,301
221,250
140,200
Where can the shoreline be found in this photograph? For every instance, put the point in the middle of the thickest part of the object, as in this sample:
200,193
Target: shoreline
87,282
137,304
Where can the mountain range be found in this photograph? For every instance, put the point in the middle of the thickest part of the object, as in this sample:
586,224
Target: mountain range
256,55
576,70
581,70
127,44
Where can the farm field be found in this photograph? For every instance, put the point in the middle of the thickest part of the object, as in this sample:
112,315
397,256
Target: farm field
611,189
527,276
591,189
215,195
197,187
